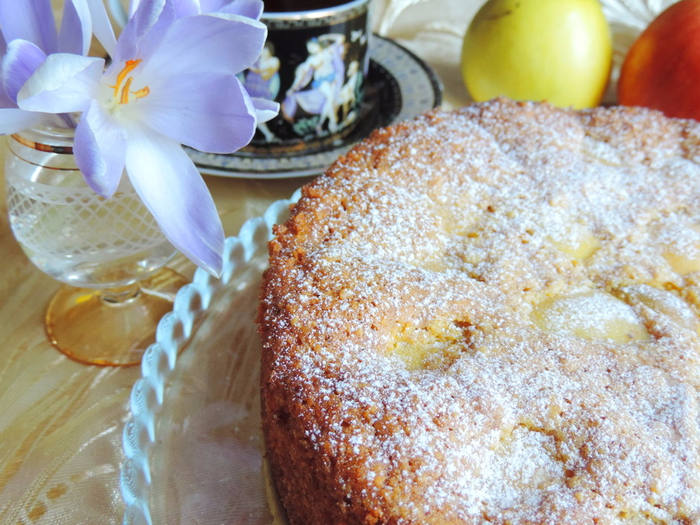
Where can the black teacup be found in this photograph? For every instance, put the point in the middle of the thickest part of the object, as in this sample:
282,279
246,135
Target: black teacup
314,64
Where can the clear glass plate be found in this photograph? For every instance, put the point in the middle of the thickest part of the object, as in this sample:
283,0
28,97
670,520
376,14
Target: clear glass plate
193,442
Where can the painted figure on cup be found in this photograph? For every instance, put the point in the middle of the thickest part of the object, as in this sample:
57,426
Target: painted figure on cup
349,92
262,80
324,71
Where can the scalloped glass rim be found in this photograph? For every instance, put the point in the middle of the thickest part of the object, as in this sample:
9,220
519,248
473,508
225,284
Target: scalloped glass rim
160,359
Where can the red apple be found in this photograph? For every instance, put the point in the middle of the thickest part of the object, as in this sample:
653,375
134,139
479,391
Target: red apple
662,68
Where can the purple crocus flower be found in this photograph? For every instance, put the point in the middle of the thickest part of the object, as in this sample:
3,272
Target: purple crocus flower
170,83
249,8
28,35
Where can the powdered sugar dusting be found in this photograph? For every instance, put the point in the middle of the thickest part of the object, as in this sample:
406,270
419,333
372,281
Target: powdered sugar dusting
485,316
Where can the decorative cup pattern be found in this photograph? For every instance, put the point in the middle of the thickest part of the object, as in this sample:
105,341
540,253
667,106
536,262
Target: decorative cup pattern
314,65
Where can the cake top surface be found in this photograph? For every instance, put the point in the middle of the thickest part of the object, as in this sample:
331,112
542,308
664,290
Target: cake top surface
492,314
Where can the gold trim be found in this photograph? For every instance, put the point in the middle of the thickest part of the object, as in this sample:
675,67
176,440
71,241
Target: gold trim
49,148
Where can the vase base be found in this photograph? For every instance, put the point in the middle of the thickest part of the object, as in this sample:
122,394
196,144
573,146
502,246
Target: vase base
111,327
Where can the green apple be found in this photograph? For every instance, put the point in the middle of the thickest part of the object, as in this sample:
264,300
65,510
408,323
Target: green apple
554,50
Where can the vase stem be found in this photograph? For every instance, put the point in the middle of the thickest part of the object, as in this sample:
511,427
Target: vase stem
121,295
111,327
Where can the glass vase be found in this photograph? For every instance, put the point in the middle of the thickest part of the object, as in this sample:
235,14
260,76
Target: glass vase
110,253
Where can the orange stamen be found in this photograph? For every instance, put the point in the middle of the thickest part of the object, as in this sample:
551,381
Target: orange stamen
124,91
141,92
128,68
124,98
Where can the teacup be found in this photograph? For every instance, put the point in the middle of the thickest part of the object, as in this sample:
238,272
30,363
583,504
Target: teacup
314,64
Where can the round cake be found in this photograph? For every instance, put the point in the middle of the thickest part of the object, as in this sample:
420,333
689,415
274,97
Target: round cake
491,316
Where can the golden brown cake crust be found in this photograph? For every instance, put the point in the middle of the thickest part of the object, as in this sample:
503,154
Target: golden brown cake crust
491,316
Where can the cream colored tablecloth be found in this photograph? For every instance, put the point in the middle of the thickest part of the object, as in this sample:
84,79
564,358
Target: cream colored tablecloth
61,422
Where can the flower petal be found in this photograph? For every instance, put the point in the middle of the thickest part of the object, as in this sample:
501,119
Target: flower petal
100,150
13,120
250,8
209,112
133,6
210,6
23,58
5,100
64,83
208,43
3,45
144,32
265,109
76,28
102,26
186,7
173,190
29,20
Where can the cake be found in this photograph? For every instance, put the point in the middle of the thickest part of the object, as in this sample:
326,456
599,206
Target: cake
490,315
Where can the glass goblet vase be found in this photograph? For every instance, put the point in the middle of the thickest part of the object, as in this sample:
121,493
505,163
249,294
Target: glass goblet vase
110,253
